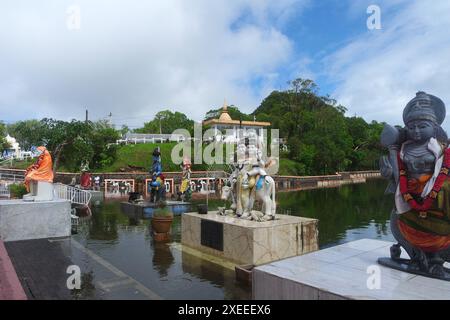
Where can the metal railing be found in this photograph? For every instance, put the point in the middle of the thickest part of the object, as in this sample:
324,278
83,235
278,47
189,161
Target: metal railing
11,177
74,195
4,192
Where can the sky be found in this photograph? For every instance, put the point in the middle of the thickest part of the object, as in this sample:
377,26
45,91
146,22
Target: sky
127,60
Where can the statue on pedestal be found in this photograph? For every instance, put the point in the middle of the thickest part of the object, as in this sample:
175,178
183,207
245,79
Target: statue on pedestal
185,188
250,182
39,177
418,166
85,178
157,186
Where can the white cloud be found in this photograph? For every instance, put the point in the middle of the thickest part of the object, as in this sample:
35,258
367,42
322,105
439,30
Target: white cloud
377,73
135,58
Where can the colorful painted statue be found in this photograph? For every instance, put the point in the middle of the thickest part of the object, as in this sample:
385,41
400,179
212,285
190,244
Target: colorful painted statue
250,182
86,177
185,188
418,166
39,177
157,186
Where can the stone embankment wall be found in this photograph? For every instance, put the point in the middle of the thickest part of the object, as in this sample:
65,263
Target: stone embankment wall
313,182
283,182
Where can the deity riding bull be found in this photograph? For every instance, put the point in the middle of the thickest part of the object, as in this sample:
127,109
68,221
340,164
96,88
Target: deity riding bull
249,182
418,166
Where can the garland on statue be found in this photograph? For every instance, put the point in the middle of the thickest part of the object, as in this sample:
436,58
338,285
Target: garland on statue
427,202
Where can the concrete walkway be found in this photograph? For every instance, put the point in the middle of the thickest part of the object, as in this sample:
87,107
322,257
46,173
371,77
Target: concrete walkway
10,287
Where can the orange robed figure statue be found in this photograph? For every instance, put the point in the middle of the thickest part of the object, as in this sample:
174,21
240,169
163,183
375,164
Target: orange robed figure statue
39,177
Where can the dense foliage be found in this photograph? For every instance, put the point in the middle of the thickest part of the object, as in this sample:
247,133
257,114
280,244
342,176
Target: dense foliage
320,139
233,111
167,122
3,143
70,143
18,190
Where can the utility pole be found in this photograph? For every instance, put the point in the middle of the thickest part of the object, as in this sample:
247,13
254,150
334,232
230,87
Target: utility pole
87,116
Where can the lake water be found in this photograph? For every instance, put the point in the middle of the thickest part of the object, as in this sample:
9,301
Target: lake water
347,213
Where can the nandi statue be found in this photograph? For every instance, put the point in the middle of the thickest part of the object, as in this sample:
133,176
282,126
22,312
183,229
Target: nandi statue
249,182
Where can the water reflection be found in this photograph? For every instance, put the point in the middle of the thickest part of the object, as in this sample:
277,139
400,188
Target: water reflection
361,209
217,276
347,213
162,257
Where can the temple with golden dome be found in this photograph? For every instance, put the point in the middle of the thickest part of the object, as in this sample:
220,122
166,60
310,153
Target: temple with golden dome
228,128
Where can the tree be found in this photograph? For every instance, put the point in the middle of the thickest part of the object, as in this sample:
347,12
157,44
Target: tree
319,136
28,133
59,134
124,130
70,143
3,143
233,111
167,122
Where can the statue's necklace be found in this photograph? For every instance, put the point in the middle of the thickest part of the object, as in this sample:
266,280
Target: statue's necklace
429,199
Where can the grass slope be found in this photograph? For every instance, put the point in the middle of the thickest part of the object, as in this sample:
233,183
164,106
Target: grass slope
138,157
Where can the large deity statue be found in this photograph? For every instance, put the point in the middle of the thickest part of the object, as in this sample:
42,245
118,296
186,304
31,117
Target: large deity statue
250,182
39,177
418,166
157,186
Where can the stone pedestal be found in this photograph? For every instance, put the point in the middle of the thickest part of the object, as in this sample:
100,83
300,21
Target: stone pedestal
21,220
348,271
248,242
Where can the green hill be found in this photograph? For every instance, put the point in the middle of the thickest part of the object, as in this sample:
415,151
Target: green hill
139,157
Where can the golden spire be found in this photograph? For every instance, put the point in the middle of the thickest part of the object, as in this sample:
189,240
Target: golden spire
224,116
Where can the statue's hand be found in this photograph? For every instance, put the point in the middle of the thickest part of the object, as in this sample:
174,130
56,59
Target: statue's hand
390,136
386,167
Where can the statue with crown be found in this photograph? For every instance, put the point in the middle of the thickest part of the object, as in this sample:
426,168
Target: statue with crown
157,187
418,167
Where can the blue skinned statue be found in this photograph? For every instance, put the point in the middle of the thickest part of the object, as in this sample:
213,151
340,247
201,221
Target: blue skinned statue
157,186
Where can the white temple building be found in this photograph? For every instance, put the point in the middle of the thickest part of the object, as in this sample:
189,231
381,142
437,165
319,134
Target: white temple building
14,150
227,129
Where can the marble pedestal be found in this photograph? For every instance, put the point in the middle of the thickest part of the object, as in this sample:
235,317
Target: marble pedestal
348,271
21,220
248,242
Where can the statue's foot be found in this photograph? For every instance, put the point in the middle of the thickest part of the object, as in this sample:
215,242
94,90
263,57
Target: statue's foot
396,251
437,270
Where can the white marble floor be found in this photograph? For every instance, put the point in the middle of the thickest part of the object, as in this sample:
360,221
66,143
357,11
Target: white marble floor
348,271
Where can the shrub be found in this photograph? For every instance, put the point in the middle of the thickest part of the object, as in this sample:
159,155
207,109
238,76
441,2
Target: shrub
163,212
17,190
